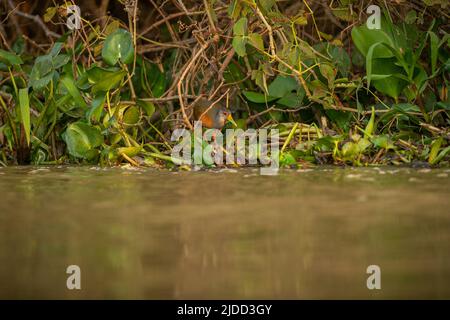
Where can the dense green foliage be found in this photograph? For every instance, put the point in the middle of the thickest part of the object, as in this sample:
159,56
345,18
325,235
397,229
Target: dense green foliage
109,93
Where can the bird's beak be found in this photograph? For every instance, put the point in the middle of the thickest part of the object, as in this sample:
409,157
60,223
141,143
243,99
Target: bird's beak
230,119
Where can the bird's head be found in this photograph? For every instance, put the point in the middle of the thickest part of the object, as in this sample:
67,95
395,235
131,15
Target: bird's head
224,116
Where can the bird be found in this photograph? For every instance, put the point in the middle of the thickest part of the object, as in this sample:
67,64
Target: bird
212,116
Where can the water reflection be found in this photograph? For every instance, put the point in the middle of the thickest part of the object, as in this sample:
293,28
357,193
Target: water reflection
224,234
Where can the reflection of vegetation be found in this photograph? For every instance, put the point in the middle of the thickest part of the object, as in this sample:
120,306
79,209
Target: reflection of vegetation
339,92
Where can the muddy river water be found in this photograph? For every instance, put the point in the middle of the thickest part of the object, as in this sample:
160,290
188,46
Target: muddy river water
224,234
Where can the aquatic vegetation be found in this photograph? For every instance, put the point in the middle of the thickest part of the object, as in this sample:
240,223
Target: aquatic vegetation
114,90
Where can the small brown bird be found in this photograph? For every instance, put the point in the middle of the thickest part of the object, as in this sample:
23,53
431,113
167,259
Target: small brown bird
214,117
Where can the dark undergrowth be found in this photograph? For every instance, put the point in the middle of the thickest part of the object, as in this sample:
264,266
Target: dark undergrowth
113,91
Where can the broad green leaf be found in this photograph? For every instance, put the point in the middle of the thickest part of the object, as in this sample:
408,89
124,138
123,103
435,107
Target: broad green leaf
95,112
9,58
148,107
341,59
365,38
257,97
239,43
282,85
82,139
392,85
328,71
56,49
240,39
24,103
41,83
240,27
110,82
382,141
118,46
60,60
287,159
159,85
292,100
256,40
42,72
131,116
406,107
96,73
69,83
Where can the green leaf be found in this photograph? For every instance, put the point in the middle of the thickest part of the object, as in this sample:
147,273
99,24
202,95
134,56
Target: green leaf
69,83
267,4
56,49
341,59
240,27
282,85
256,40
368,132
49,13
441,155
82,139
131,116
257,97
382,141
129,151
118,46
24,103
301,20
19,45
148,107
159,85
390,85
9,58
96,73
95,112
287,159
369,59
435,147
60,60
42,72
240,39
350,149
365,38
109,82
411,17
239,43
292,100
434,47
328,71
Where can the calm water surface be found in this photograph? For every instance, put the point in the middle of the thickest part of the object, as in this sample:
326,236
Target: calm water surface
224,233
